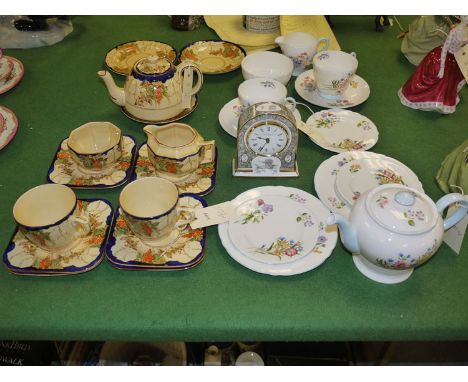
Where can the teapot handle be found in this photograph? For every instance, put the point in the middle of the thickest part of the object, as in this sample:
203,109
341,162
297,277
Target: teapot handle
327,44
187,88
459,214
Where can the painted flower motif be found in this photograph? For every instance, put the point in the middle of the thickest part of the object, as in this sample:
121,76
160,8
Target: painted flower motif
45,263
340,103
356,195
349,145
238,110
412,216
382,201
308,84
301,59
321,240
297,198
261,210
354,167
365,125
281,247
306,219
401,262
323,56
326,120
268,84
385,176
336,203
147,257
341,163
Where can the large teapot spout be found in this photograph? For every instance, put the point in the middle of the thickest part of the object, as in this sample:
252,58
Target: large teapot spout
347,233
117,94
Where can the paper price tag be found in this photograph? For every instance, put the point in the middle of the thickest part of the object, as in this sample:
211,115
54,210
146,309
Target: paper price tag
461,56
217,214
454,236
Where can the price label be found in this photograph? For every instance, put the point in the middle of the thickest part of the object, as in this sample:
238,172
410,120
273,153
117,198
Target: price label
217,214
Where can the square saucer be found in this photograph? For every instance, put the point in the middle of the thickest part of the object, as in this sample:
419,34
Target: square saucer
126,251
64,169
24,258
200,182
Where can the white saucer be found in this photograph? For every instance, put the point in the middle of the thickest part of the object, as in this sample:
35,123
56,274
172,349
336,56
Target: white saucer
14,77
358,91
326,175
229,116
341,130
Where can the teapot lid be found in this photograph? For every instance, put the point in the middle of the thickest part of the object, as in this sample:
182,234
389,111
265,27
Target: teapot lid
153,68
402,209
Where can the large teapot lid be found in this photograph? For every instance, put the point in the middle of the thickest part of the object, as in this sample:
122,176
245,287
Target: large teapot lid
153,68
401,209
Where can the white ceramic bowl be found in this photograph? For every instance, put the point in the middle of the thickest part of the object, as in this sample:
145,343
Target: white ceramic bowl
272,65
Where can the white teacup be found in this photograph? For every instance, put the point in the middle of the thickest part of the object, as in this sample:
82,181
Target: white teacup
258,90
47,216
333,70
267,65
151,209
95,146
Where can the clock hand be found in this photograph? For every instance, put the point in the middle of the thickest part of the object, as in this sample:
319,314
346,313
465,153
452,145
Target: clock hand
267,140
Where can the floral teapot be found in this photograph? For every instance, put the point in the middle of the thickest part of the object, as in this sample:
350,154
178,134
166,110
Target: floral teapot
155,90
393,229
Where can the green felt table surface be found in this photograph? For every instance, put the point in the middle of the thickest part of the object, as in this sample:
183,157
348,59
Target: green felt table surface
220,299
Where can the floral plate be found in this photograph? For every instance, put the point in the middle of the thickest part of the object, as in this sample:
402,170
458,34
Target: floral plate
200,182
280,231
126,251
64,169
342,130
229,116
8,126
15,76
183,114
339,190
214,56
121,58
358,91
24,258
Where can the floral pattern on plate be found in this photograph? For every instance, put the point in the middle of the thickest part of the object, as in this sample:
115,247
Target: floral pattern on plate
201,182
326,185
15,76
213,56
8,127
64,170
23,257
126,251
340,130
121,58
357,93
281,247
256,215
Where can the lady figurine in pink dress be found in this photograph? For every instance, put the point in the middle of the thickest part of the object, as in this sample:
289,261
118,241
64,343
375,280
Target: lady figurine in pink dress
437,80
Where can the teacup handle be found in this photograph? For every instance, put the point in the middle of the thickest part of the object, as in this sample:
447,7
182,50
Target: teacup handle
182,223
290,103
82,226
326,40
459,214
208,151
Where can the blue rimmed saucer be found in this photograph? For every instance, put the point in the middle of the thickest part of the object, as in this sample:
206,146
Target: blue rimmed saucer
24,258
64,170
126,251
201,182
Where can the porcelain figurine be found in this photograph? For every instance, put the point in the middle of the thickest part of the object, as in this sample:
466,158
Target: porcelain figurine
155,90
301,48
176,150
436,82
393,228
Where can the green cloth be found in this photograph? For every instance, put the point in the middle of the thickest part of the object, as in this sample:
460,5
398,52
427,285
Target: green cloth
219,299
453,173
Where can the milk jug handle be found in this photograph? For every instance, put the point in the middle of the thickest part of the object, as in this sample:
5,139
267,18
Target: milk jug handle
326,40
459,214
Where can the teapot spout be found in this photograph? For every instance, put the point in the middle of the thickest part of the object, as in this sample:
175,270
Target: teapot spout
347,233
117,94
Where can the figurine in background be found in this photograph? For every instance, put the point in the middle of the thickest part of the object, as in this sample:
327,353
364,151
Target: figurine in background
435,84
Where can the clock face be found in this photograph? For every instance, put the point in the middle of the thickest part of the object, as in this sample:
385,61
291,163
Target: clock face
267,139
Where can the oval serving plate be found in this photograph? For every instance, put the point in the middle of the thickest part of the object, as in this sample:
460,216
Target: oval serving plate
121,58
214,56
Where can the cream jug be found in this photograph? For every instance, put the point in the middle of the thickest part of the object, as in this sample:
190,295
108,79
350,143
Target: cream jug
301,48
176,150
155,90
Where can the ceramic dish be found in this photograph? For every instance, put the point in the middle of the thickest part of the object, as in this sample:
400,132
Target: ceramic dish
340,130
6,66
24,258
214,56
200,183
281,231
228,116
121,58
184,113
15,76
126,251
362,170
358,91
64,170
8,126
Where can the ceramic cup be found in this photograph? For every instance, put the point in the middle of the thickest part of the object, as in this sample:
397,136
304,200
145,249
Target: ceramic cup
272,65
150,206
176,150
333,70
95,146
258,90
47,216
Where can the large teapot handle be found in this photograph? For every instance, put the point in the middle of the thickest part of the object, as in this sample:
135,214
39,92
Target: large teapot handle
185,70
459,214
